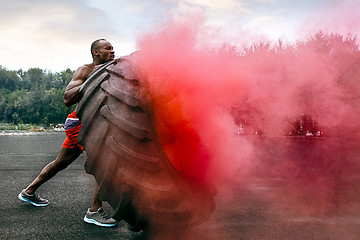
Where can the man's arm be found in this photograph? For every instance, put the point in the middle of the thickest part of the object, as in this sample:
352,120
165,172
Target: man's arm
72,95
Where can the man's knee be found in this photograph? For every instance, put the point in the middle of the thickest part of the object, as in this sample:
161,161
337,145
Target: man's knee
66,157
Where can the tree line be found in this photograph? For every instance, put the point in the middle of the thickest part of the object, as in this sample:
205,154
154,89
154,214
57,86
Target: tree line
34,96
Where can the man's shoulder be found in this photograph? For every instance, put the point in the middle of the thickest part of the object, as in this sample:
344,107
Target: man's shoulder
82,72
87,67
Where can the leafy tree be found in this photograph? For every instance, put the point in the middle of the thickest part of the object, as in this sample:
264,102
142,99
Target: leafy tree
9,79
33,96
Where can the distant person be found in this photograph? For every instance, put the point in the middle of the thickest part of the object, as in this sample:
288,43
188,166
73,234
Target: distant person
102,51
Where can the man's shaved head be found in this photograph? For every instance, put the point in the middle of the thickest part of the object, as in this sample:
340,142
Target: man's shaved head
95,45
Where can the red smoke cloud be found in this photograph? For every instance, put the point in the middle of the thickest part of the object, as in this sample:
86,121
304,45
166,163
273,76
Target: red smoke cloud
193,90
217,108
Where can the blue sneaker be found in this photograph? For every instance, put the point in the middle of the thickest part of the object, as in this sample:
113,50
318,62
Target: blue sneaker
34,199
99,218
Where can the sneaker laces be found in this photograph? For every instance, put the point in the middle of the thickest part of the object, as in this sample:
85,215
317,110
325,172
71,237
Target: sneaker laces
34,195
37,197
104,214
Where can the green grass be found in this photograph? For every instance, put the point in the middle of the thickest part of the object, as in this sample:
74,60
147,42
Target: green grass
19,127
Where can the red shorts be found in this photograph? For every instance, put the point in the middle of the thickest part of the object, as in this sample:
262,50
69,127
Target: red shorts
72,128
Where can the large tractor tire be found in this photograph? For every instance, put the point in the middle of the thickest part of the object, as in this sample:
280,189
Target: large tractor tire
126,157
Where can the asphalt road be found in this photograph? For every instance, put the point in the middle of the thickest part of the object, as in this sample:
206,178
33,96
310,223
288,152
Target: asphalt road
243,212
69,194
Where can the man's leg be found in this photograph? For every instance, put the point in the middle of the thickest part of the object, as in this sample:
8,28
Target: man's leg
96,202
64,159
96,215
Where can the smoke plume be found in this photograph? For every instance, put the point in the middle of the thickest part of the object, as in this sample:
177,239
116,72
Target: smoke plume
271,110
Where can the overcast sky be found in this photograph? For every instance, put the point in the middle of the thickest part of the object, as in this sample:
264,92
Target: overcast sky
56,35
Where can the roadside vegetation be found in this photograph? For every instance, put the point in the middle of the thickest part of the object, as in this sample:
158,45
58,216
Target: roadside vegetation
32,99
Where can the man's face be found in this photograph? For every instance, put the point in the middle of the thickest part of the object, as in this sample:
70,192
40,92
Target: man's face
105,51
